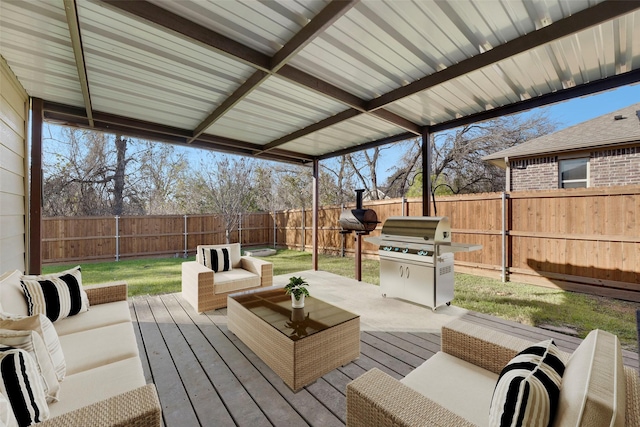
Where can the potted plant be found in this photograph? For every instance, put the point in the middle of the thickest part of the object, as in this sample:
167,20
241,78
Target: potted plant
296,288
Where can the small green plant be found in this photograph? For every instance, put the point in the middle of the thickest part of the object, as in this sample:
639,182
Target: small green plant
296,287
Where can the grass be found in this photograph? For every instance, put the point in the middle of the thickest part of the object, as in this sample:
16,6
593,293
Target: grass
527,304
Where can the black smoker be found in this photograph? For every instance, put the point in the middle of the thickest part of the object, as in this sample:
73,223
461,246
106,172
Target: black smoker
362,221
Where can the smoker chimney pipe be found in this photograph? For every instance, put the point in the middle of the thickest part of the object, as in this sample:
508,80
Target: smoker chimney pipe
359,199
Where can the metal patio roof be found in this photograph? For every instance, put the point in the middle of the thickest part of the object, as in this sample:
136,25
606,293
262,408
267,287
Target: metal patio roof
298,80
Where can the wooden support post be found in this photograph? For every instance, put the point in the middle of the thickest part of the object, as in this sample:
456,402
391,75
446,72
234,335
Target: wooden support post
426,172
35,196
316,198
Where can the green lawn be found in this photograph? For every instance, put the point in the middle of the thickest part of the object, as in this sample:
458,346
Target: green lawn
531,305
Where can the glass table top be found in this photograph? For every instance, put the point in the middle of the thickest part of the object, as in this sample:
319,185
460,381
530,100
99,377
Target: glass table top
274,307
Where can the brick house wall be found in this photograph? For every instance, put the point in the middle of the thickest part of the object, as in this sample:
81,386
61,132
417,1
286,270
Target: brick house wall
620,166
539,173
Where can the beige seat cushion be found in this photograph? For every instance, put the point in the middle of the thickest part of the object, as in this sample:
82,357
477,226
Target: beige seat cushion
98,315
97,384
593,386
89,349
459,386
234,280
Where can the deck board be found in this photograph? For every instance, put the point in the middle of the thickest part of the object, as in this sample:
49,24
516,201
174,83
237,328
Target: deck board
206,376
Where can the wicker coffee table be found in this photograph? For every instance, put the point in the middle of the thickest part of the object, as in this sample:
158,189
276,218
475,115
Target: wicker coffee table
300,345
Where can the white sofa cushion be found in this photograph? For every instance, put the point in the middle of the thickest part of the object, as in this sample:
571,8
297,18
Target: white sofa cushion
96,347
234,280
528,389
100,315
594,387
103,382
12,298
7,419
56,295
21,383
447,380
217,259
234,253
32,343
43,326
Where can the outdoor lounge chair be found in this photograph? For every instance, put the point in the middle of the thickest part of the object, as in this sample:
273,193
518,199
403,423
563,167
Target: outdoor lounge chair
206,289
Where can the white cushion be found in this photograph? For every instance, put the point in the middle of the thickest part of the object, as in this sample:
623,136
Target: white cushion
43,326
94,385
100,315
528,388
21,382
12,298
7,419
217,259
96,347
234,280
594,386
448,381
234,252
32,343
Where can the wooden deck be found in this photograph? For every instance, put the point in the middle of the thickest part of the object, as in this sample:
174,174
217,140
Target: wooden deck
205,376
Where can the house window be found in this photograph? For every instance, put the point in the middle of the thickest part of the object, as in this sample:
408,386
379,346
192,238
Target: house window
574,173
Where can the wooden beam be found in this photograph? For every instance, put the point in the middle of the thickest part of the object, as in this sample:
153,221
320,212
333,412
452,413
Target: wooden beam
238,95
366,146
35,196
579,21
78,53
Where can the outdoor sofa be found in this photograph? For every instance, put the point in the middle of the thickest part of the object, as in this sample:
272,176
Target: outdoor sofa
103,382
206,289
455,387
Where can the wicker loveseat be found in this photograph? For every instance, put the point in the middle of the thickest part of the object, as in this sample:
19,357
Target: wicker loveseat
207,290
455,386
104,384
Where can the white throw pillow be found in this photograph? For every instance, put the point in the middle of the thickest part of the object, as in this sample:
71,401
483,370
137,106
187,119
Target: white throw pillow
12,298
21,383
528,389
43,326
57,295
32,343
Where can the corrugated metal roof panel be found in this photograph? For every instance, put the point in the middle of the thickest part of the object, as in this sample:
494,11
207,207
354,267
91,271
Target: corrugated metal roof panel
275,109
263,25
34,38
570,61
152,74
360,129
370,51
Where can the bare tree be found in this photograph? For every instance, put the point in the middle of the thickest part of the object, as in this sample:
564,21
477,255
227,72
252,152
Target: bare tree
225,185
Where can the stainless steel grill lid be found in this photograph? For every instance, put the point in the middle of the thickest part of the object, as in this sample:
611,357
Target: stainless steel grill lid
432,228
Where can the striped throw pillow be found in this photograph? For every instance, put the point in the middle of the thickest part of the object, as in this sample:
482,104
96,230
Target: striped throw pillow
56,295
33,344
21,384
217,259
528,388
43,326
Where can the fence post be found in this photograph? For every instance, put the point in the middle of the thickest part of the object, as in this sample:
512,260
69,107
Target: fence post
505,274
274,230
240,228
117,238
186,249
303,240
404,206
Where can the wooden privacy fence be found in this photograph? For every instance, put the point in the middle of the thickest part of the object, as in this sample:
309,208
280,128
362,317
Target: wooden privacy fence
581,239
78,239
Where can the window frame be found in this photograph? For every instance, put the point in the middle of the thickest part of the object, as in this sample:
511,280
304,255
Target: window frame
561,182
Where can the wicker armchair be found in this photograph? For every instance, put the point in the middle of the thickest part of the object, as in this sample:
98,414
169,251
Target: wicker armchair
377,399
207,290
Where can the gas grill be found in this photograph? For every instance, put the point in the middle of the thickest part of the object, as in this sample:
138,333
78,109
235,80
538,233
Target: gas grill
416,259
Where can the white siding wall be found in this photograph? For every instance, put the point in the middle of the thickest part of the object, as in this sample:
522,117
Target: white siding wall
13,171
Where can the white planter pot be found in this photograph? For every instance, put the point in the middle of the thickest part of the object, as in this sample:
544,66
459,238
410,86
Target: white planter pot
297,303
